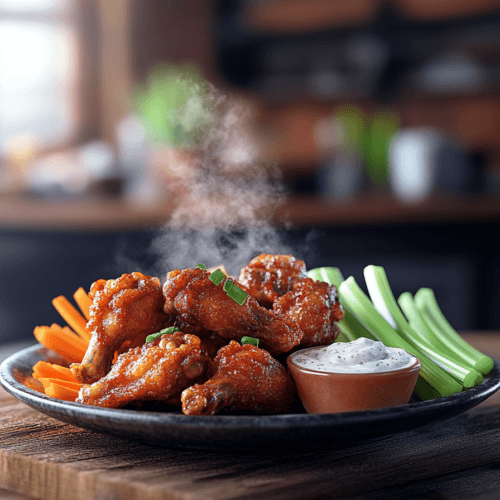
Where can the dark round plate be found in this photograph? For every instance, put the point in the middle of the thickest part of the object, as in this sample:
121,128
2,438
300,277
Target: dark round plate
299,431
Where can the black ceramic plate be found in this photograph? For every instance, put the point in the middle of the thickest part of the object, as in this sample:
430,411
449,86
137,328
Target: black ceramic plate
239,432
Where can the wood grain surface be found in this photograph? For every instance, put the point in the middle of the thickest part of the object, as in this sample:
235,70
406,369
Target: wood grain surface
46,459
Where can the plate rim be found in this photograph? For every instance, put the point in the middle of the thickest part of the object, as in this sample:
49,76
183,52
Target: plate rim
473,396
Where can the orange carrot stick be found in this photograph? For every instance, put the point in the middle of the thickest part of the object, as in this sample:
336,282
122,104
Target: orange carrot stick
59,392
63,341
63,383
70,314
83,301
42,369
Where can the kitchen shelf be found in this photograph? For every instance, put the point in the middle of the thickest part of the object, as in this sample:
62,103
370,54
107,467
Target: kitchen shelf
80,215
386,210
375,209
472,120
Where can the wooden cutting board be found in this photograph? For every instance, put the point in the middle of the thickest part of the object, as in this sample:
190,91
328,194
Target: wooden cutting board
46,459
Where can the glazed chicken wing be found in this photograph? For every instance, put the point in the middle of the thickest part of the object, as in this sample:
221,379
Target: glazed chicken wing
125,309
244,378
199,302
210,341
158,371
314,307
267,277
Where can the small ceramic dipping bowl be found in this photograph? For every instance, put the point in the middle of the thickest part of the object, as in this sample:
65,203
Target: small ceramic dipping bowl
328,392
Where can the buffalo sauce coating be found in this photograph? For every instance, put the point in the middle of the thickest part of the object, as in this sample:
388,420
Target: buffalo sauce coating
198,301
158,371
314,307
244,378
210,341
268,277
124,309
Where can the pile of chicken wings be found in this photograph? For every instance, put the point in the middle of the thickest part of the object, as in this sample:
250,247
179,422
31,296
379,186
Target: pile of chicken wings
202,366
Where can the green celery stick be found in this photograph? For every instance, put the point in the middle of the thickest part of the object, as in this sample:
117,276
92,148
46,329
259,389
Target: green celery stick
354,299
426,303
331,275
439,353
384,301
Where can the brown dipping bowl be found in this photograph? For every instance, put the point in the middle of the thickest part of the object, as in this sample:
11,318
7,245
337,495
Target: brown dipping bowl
329,392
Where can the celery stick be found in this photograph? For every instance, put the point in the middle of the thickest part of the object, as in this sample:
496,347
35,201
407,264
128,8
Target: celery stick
407,305
352,328
483,365
417,320
331,275
354,299
343,337
424,390
432,347
426,303
381,295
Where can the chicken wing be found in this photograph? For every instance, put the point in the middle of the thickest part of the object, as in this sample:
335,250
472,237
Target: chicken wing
199,302
314,307
158,371
269,276
244,378
210,341
125,309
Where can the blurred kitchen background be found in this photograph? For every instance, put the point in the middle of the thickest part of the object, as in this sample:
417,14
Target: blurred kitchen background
382,119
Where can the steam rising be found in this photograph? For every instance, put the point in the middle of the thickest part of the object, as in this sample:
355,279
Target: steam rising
180,250
226,190
226,182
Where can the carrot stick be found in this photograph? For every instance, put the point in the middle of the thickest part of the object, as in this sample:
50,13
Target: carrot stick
42,369
63,341
63,383
71,315
59,392
83,301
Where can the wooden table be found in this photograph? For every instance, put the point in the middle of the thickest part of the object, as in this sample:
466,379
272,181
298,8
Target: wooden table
46,459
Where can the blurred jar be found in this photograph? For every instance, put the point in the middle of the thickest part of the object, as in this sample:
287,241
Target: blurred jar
424,161
20,154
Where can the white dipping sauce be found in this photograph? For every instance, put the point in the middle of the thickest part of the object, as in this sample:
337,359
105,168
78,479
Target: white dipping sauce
359,356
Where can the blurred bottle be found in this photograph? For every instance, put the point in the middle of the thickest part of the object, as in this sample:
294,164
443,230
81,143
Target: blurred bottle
340,139
141,188
381,128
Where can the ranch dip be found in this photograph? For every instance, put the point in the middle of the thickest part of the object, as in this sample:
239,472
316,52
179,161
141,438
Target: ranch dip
359,356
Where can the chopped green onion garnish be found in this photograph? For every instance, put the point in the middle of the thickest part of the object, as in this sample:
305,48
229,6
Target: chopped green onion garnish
250,340
228,285
166,331
235,292
217,276
202,266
